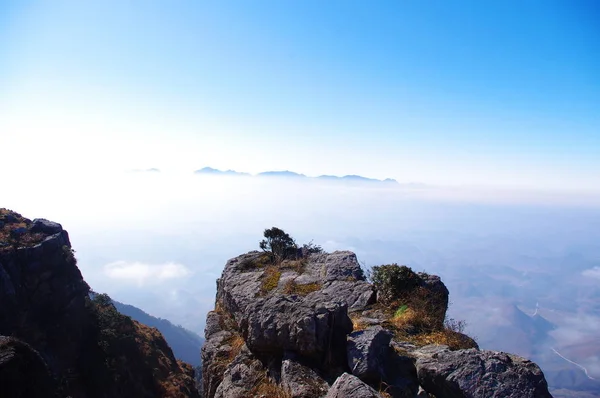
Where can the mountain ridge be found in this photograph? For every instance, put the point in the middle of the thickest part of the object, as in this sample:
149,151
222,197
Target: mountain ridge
293,174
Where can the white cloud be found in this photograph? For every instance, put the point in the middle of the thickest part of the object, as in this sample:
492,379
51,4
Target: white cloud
592,273
143,273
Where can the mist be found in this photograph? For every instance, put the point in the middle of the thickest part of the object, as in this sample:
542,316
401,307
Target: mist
159,241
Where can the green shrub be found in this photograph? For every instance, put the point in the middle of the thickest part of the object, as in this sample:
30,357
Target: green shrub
311,248
278,244
401,310
393,282
270,280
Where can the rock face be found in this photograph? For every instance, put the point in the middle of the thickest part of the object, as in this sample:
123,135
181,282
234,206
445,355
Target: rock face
348,386
72,345
472,373
312,327
23,372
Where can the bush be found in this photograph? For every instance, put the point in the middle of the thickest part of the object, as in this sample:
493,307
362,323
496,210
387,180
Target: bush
310,248
393,282
278,244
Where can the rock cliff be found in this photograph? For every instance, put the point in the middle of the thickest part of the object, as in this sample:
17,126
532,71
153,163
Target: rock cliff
56,342
313,326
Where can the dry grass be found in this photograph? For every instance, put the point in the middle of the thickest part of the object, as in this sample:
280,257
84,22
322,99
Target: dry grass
292,287
296,265
270,280
383,390
236,342
417,319
24,240
358,324
267,388
260,261
454,340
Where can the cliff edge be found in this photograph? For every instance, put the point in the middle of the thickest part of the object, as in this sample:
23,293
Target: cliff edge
55,341
312,325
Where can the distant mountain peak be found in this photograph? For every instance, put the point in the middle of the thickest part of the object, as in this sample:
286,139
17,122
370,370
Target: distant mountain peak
210,170
292,174
283,173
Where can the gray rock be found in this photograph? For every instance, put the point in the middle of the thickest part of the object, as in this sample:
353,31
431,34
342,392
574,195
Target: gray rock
44,226
349,386
10,218
422,393
367,352
245,371
479,374
23,372
302,381
312,326
337,266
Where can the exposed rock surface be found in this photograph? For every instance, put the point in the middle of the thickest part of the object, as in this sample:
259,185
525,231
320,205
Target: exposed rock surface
349,386
367,353
473,373
301,381
312,327
23,372
87,347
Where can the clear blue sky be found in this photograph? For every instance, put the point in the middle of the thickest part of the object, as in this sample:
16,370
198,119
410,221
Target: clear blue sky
444,92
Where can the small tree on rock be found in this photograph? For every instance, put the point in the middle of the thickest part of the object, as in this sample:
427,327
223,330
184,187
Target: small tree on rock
278,244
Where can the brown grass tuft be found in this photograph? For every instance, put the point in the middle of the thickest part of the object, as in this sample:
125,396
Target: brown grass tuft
236,342
292,287
454,340
358,324
267,388
296,265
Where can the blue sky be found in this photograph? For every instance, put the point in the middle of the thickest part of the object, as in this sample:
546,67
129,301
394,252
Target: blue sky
500,93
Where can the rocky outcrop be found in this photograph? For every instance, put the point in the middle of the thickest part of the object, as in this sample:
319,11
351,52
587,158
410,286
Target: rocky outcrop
473,373
312,327
349,386
23,372
85,346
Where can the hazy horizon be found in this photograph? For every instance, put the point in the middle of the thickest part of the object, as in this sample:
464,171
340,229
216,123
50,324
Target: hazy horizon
502,94
486,113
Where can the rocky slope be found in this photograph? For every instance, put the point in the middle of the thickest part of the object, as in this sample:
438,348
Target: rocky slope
56,342
314,327
184,343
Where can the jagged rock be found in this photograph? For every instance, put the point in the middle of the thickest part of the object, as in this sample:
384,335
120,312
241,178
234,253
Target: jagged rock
311,326
23,372
315,325
302,381
349,386
484,374
437,295
44,226
293,319
244,372
89,348
213,351
367,353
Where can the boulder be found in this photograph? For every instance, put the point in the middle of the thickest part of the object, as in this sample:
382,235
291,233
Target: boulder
479,374
367,352
44,226
243,373
301,381
311,326
349,386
